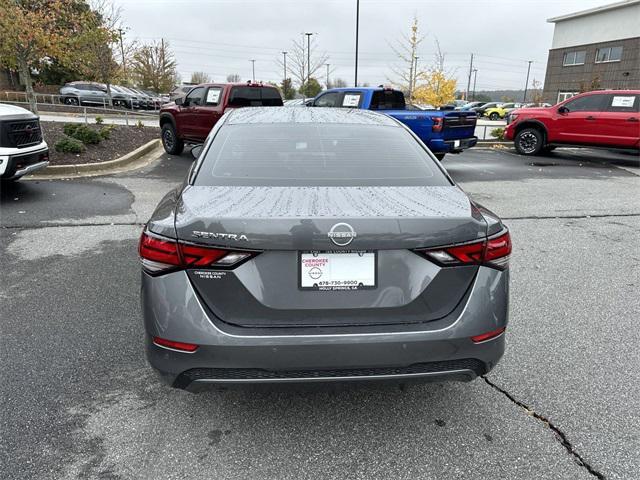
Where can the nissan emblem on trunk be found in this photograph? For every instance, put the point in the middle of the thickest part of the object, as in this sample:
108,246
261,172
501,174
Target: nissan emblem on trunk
342,234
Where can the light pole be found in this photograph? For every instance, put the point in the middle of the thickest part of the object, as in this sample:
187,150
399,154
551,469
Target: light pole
475,76
308,34
253,70
526,84
355,82
284,80
469,81
124,66
327,74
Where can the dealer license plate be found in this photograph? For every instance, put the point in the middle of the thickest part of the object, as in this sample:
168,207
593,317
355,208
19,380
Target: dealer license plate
336,271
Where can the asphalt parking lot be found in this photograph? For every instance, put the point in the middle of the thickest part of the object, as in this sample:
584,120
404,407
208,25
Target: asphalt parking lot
79,401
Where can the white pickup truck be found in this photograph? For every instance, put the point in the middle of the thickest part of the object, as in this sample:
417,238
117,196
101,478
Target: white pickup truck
22,148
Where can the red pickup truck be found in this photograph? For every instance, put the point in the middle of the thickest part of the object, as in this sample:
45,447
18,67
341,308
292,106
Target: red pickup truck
604,118
191,118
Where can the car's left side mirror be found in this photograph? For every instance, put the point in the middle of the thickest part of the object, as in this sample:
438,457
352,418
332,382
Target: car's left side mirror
179,101
563,110
195,151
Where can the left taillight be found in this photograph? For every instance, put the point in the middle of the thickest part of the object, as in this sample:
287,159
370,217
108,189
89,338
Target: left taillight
162,255
493,252
438,123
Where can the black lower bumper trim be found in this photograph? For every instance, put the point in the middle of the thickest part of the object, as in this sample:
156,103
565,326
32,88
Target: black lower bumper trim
257,374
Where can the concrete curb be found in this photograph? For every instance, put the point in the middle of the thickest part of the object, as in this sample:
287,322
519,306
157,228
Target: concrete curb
491,142
102,168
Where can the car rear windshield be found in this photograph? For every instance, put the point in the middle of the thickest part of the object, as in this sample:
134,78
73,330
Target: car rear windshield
255,97
387,100
301,154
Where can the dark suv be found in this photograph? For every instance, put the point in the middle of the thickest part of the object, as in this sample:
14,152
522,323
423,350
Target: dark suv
190,119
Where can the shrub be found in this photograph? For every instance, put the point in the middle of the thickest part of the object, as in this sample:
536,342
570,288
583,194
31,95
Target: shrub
99,120
139,125
105,132
498,134
86,135
69,145
70,128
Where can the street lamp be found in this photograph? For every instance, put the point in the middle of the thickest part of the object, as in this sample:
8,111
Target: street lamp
284,80
475,76
308,34
253,70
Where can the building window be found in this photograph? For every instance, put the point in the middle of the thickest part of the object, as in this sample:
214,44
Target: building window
562,96
574,58
608,54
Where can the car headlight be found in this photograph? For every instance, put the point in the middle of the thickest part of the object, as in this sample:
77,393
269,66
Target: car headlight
511,118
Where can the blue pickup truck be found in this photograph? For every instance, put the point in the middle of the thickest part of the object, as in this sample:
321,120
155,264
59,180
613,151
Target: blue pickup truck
443,131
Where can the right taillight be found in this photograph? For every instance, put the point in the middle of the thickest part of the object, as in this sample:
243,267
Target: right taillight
493,252
161,255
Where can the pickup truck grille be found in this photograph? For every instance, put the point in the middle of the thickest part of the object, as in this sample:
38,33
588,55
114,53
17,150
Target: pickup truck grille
460,121
21,133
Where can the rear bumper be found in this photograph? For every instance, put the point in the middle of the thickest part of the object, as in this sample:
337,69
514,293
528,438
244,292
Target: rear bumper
20,162
452,146
440,349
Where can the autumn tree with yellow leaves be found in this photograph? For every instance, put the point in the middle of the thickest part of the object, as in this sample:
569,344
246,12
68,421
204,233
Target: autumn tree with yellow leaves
32,32
435,86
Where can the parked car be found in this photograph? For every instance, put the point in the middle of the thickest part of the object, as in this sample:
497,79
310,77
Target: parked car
22,147
471,106
459,103
443,131
321,246
157,99
500,111
192,118
146,100
480,110
603,118
84,93
123,98
139,101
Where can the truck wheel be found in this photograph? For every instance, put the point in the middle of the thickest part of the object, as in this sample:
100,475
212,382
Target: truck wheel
170,141
494,116
529,141
439,156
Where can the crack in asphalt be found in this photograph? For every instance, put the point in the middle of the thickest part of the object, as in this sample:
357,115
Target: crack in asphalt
560,435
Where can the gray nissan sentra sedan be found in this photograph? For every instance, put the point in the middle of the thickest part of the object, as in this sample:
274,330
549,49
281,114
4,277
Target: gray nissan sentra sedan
316,245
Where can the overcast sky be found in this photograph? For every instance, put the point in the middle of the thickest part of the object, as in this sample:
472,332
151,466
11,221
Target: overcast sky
221,36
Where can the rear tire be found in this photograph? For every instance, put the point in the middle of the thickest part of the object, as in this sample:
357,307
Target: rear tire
494,116
529,141
439,156
170,141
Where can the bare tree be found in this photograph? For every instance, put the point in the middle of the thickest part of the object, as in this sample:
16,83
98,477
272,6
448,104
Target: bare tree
298,57
200,77
154,66
406,50
233,78
338,83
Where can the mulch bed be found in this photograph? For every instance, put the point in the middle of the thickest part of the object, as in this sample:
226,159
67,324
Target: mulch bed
122,141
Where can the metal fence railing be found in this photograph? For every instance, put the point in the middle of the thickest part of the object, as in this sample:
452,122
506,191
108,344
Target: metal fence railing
44,100
486,132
